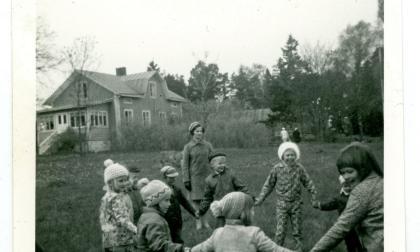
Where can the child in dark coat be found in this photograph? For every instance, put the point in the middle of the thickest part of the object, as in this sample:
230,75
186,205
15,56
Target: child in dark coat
339,203
221,182
134,192
173,215
153,231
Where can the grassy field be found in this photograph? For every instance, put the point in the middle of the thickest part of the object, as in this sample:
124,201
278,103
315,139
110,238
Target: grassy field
69,189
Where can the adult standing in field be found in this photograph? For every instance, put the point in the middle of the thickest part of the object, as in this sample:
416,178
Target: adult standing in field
284,135
196,167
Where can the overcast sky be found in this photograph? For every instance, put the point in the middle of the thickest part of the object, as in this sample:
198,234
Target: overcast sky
177,33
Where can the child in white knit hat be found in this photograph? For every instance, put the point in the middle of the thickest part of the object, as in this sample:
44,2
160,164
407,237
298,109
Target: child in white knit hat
286,177
153,230
116,218
237,234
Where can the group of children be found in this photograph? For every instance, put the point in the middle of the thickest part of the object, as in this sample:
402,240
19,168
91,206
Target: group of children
141,215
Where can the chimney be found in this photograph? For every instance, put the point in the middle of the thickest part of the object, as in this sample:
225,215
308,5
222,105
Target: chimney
121,71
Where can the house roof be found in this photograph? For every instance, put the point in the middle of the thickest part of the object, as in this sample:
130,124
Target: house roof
129,85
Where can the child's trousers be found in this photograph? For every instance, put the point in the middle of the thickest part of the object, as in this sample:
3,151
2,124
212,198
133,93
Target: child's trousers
284,211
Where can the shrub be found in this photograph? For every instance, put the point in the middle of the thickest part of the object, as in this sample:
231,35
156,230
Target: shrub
65,142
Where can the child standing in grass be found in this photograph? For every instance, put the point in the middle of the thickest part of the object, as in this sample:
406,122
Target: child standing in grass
134,193
286,177
173,215
237,234
339,203
115,215
221,182
153,230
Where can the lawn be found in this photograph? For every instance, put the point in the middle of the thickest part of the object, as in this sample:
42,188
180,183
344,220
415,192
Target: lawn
69,190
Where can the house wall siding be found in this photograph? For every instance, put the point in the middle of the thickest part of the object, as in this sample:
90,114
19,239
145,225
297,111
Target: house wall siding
155,104
95,93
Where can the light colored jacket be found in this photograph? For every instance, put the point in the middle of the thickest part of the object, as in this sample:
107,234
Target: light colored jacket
287,180
196,167
116,219
365,212
235,237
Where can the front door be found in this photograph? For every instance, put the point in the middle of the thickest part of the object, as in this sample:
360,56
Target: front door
62,122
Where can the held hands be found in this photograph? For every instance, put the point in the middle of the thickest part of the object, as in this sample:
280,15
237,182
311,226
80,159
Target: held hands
187,185
187,249
197,214
315,203
257,202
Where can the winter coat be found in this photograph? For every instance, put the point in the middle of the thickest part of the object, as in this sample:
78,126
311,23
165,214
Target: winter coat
116,221
196,167
137,203
218,185
173,216
365,212
153,233
235,237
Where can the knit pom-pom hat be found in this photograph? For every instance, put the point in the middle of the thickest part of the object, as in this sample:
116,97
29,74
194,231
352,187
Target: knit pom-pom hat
230,206
114,171
142,182
288,145
108,162
154,192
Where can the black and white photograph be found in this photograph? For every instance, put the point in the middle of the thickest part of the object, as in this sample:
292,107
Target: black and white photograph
209,125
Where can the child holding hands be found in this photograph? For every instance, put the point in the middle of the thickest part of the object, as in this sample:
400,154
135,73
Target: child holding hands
237,234
221,182
116,217
286,177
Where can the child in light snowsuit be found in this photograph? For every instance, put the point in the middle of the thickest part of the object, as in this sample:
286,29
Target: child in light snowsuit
221,182
286,177
115,215
339,203
237,234
173,215
153,230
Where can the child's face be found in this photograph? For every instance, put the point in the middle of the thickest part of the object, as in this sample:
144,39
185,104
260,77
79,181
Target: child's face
170,180
218,164
134,177
164,204
351,177
121,183
289,156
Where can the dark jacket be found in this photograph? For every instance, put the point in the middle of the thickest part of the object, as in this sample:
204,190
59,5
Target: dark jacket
153,233
173,216
218,185
137,203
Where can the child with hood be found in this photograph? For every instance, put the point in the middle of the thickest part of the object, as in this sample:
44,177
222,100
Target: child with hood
238,234
286,177
153,230
115,216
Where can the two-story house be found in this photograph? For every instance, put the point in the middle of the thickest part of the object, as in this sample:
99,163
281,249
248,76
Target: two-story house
100,104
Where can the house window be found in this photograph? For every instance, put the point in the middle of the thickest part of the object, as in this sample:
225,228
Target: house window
99,119
152,87
59,119
47,123
64,119
174,104
83,89
128,115
78,119
146,117
162,116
